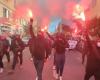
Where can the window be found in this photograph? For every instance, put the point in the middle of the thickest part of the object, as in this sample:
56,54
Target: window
5,13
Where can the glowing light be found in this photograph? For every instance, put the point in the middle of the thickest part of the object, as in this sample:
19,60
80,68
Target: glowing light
45,27
79,12
30,13
76,30
42,30
78,7
82,16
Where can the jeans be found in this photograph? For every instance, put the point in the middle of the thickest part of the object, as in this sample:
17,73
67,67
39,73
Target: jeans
59,61
54,60
1,62
39,64
15,59
7,54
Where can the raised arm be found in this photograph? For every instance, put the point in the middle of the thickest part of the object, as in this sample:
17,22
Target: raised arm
31,31
31,28
50,36
96,52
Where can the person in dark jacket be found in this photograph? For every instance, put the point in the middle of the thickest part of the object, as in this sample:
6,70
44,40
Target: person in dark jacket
17,47
6,48
1,55
93,59
60,46
39,51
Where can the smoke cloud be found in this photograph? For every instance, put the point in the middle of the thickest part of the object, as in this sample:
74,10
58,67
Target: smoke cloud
47,9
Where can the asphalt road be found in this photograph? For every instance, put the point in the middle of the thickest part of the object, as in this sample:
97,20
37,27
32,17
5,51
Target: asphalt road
73,70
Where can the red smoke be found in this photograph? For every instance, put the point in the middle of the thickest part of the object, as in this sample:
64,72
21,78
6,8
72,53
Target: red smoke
45,21
51,8
69,7
20,11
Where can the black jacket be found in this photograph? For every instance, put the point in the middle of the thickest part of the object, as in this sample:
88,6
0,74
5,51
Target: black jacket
6,44
38,46
17,45
60,46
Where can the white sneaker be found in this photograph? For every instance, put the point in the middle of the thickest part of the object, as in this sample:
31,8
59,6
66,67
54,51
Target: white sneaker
1,70
60,78
56,76
54,73
36,78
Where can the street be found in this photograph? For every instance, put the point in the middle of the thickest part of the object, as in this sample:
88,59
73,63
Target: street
73,70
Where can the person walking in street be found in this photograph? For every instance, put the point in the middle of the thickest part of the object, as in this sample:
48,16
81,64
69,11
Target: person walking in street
6,48
17,47
60,46
1,55
93,58
39,50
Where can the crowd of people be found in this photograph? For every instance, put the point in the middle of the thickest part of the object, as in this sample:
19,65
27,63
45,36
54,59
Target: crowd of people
16,45
40,48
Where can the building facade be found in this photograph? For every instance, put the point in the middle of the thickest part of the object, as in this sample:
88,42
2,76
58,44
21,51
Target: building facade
7,8
6,11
